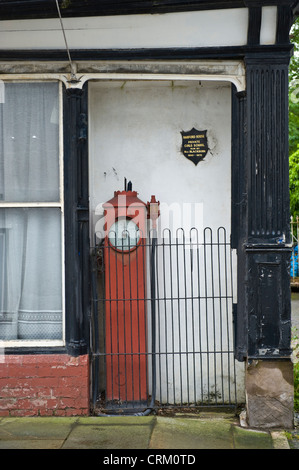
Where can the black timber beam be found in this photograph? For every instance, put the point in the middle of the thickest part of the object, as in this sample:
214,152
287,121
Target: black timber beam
33,9
194,53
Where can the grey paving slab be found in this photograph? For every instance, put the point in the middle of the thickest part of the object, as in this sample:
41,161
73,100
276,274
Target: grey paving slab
43,444
35,428
111,433
189,433
251,439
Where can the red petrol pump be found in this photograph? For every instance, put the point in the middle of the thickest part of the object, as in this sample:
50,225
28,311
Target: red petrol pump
125,293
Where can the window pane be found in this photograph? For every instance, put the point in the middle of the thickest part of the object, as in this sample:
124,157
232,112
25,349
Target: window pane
30,274
29,149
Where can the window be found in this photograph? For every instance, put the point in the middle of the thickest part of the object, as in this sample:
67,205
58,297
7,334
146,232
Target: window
31,209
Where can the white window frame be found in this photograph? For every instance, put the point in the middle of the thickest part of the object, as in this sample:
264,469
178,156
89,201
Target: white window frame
21,343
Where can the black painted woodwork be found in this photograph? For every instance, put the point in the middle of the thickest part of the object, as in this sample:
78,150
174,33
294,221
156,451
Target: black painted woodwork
26,9
260,210
254,26
267,127
76,221
239,220
269,306
193,53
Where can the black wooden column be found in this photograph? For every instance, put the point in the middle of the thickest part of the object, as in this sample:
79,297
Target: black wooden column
264,314
76,221
239,216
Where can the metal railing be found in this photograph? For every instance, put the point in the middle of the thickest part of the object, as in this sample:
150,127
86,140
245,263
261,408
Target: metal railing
162,323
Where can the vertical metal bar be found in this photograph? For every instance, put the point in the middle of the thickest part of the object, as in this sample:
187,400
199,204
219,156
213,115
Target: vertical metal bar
103,323
124,353
220,273
142,330
207,320
199,316
117,315
179,316
130,318
143,296
110,310
213,310
153,311
138,319
172,310
158,317
192,311
226,272
186,319
165,319
94,330
145,310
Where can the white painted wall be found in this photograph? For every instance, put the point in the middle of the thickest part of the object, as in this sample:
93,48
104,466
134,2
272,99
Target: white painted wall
185,29
134,132
268,25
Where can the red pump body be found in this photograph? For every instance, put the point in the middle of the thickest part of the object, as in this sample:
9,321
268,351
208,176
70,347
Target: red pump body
125,290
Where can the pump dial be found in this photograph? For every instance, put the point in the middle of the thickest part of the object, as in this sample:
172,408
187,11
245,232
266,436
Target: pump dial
124,234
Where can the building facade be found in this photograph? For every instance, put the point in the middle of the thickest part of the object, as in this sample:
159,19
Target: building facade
93,94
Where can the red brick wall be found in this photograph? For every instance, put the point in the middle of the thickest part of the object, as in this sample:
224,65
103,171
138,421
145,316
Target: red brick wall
44,385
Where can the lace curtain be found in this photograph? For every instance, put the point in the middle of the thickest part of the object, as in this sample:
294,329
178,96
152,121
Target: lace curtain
30,237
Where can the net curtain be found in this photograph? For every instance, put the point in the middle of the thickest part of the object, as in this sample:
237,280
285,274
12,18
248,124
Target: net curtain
30,237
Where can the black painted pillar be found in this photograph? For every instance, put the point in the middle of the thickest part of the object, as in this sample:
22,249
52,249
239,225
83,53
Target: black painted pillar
240,217
76,221
261,235
267,244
